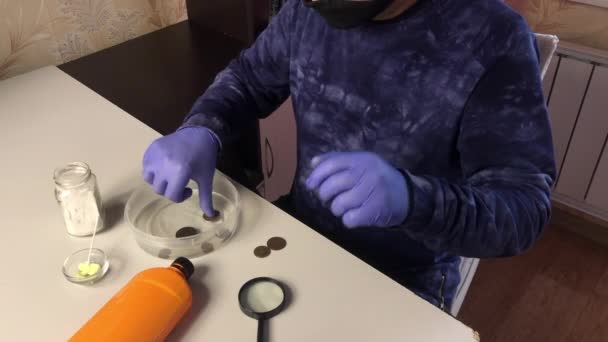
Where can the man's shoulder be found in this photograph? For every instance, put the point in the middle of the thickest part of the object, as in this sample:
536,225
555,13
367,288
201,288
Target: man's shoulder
504,19
492,14
485,27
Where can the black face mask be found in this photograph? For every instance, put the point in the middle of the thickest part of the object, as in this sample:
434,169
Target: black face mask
344,14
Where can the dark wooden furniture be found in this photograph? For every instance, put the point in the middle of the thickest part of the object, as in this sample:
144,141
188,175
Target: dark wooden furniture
244,20
241,19
158,76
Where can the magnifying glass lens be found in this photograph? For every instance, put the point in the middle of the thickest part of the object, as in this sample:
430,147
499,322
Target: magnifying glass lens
264,296
261,299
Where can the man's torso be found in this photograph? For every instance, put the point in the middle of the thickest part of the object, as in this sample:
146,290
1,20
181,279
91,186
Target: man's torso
398,89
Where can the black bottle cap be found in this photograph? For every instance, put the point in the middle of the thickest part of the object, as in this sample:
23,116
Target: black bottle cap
184,265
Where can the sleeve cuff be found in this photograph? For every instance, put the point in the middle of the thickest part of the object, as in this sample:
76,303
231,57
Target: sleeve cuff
213,135
217,128
422,204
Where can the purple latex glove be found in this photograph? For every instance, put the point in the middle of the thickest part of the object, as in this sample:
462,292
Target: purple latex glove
364,190
171,161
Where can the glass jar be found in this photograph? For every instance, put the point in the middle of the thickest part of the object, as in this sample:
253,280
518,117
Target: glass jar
78,195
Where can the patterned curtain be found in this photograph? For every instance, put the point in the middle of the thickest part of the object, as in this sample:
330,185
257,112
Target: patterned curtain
35,33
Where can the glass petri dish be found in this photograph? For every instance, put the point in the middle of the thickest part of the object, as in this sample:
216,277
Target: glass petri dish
167,229
72,264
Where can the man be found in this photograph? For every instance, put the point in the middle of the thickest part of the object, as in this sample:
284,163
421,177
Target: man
422,131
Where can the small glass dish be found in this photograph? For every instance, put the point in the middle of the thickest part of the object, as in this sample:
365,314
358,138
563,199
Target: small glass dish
71,266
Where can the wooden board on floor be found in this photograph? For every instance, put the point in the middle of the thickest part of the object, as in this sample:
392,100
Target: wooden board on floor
557,291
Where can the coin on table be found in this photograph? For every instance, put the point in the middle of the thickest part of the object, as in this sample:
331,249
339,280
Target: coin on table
276,243
261,251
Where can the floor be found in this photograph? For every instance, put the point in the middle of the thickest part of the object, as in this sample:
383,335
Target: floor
557,291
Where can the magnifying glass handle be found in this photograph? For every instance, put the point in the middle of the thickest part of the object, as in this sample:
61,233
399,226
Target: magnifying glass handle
261,330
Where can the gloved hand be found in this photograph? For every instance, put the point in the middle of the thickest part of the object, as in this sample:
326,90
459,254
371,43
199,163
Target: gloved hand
363,188
171,161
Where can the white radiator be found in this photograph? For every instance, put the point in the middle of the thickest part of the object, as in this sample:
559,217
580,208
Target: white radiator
576,88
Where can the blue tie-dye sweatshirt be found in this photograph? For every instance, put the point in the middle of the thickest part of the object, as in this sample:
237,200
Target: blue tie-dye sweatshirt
449,92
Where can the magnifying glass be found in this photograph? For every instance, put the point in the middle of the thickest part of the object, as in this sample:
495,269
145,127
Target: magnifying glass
262,298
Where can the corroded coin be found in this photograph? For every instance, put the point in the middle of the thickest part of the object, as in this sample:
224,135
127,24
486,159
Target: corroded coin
261,251
276,243
186,231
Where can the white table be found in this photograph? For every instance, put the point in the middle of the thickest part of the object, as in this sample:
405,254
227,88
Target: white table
48,119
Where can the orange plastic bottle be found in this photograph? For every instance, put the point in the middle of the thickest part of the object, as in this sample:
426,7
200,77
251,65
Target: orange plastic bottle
146,309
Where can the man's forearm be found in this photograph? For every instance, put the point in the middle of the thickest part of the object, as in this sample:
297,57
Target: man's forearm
492,219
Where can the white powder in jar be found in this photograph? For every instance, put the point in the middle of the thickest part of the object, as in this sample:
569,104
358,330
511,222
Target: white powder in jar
81,213
77,193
